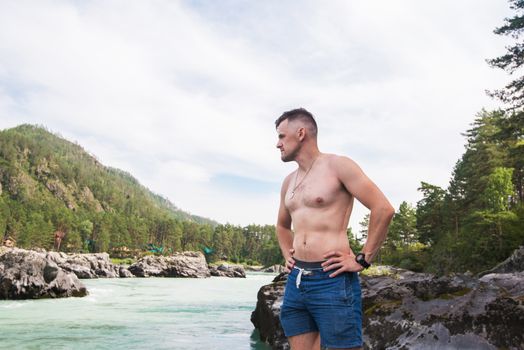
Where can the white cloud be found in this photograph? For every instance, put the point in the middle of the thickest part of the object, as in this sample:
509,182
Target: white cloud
178,92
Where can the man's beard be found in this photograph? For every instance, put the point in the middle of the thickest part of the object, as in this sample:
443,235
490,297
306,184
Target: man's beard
290,156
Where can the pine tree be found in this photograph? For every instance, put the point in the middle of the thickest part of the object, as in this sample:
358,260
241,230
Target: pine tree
513,92
430,213
403,228
353,241
363,231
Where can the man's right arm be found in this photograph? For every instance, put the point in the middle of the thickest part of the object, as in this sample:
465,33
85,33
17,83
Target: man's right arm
283,228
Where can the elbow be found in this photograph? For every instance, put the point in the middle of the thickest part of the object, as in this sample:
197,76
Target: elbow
386,211
390,211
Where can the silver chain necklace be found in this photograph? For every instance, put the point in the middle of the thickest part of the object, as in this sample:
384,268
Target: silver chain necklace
296,178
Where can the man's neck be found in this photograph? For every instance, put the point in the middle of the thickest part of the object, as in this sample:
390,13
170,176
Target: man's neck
306,158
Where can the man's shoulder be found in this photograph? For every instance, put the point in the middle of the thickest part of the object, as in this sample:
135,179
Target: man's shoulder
342,165
336,159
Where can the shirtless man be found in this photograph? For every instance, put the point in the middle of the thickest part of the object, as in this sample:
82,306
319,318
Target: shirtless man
322,300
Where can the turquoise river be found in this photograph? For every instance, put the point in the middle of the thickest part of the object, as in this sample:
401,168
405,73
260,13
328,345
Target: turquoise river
139,313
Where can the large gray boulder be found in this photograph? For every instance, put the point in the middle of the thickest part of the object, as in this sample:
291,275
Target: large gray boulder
408,310
226,270
185,264
26,274
86,265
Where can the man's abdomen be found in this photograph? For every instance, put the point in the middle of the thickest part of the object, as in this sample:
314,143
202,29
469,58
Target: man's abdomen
312,246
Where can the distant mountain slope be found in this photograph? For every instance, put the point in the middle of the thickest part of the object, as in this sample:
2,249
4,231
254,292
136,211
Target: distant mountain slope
48,183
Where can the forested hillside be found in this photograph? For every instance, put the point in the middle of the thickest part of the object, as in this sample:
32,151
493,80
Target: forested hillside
49,184
478,220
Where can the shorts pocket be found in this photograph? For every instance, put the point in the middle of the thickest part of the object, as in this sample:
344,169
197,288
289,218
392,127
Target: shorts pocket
340,290
348,289
344,323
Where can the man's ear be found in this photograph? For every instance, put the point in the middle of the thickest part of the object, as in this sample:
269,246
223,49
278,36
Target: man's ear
301,133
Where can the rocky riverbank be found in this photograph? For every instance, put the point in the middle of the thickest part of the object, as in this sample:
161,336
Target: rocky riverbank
225,270
186,264
407,310
87,266
26,274
39,274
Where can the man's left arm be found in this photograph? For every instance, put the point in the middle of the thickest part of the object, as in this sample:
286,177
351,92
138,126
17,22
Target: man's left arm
381,212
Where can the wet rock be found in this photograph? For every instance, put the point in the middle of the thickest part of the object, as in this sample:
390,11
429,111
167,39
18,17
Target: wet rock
225,270
26,274
186,264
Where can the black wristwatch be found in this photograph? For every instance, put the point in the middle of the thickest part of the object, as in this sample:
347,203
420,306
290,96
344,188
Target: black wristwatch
361,259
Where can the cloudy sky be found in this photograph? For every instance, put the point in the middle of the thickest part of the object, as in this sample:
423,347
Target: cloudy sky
183,94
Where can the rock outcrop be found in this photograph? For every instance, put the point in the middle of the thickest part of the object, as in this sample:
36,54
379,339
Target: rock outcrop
225,270
254,268
514,263
408,310
455,312
186,264
99,265
123,272
87,265
266,315
26,274
275,268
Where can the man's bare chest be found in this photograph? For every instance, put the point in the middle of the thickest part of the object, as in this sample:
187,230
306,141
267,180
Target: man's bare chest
318,191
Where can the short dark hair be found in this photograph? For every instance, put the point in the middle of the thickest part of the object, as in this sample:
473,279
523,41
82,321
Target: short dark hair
299,114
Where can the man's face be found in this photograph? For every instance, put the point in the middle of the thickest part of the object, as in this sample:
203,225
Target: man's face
288,142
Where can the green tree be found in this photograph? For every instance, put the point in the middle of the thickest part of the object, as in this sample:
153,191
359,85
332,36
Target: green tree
511,138
513,93
499,190
85,229
72,242
363,230
189,239
4,215
487,229
222,238
37,232
353,241
403,228
430,212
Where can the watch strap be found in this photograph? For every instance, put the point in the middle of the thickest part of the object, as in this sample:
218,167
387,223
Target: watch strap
361,259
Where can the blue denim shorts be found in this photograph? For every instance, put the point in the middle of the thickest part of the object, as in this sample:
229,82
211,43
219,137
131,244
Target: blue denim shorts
315,302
